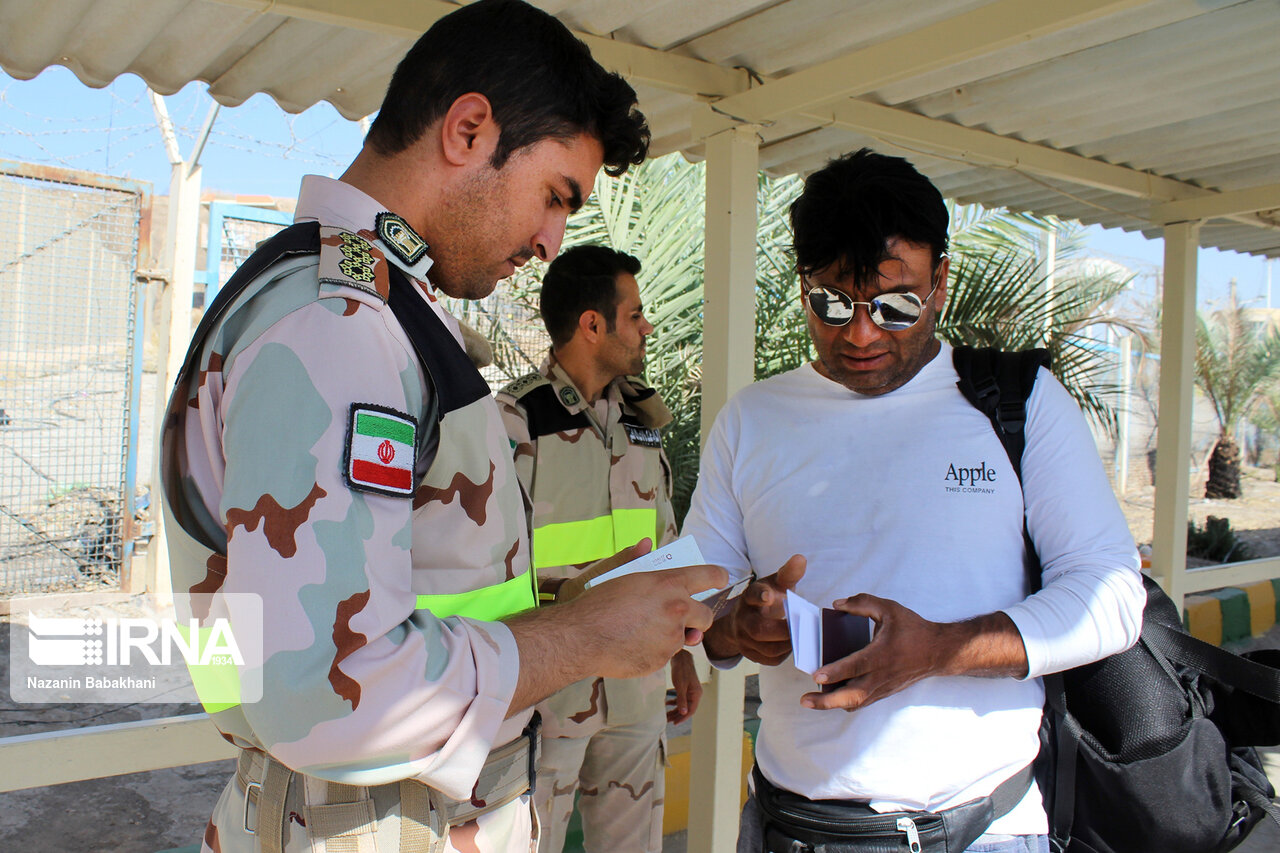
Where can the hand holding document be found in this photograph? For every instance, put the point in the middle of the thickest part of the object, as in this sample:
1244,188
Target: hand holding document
820,635
682,552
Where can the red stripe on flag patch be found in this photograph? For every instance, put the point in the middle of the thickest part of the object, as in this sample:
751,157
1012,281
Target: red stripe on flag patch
391,478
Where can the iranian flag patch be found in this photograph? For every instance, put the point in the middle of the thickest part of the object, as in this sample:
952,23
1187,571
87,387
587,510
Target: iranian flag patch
380,449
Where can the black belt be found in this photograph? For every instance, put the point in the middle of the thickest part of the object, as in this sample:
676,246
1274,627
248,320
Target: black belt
796,824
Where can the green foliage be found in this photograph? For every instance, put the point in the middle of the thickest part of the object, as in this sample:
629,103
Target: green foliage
1266,416
999,296
1235,361
1215,541
782,338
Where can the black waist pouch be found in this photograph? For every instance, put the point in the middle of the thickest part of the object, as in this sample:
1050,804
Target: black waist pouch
796,824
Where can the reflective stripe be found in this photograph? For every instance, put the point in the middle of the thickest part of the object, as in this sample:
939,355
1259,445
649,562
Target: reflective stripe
489,603
217,684
568,543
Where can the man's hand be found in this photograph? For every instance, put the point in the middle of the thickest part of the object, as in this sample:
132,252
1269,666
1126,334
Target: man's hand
688,688
906,648
575,586
756,628
625,628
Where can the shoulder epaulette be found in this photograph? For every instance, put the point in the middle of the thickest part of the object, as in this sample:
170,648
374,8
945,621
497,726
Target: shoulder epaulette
517,388
349,261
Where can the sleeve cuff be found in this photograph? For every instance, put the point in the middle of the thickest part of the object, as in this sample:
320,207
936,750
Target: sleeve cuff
484,725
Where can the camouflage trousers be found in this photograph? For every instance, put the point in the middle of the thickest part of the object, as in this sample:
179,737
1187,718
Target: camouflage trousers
619,770
510,829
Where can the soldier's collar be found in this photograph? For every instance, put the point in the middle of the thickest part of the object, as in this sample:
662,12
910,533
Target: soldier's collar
646,402
338,204
566,392
403,246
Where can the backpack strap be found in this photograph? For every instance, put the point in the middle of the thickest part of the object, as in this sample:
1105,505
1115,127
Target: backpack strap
1240,673
998,384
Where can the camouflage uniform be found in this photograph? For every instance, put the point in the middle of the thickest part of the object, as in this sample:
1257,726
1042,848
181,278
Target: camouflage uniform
363,686
595,489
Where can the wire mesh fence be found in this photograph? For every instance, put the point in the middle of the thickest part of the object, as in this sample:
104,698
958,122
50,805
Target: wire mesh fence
513,329
67,376
235,231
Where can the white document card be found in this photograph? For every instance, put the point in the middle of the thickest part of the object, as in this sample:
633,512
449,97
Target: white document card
682,552
804,620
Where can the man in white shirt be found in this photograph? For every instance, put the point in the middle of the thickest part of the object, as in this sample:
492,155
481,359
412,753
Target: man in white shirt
851,462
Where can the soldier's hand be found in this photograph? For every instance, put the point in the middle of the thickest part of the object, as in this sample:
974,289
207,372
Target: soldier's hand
624,628
574,587
638,622
756,627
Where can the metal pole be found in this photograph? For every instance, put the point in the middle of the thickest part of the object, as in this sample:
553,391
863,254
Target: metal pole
1122,432
1050,273
166,128
193,162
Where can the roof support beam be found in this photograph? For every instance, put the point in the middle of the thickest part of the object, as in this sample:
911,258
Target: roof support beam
954,142
1251,200
981,31
1177,388
410,19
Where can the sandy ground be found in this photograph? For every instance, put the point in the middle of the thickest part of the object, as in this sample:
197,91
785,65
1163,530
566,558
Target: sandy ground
1255,516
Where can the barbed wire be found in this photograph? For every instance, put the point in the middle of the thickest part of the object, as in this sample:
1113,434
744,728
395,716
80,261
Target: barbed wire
124,143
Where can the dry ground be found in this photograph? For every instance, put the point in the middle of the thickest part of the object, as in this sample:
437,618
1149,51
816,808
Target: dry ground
1255,516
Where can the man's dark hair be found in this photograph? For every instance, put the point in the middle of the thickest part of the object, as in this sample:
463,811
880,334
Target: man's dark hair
583,278
541,81
853,206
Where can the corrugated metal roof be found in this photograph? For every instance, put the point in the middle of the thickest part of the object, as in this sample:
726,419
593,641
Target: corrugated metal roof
1007,102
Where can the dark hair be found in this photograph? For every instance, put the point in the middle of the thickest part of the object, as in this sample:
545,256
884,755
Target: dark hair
853,206
541,81
584,278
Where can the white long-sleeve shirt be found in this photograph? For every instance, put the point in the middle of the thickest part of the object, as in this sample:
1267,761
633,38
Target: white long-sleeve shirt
910,496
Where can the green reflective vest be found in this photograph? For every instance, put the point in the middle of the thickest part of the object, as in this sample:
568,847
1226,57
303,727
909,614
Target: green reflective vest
569,542
489,603
218,684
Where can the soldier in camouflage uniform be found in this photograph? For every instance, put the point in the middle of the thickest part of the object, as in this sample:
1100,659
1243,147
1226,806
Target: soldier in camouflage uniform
329,448
585,433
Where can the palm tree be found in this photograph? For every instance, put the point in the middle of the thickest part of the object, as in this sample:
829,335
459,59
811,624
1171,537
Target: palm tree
1234,361
1266,416
1000,296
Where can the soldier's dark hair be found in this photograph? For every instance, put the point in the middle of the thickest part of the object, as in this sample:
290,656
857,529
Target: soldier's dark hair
582,279
851,208
541,81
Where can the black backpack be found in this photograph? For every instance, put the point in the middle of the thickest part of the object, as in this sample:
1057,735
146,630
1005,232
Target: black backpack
1150,749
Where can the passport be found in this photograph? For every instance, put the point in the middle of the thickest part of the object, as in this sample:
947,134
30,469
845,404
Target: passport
822,635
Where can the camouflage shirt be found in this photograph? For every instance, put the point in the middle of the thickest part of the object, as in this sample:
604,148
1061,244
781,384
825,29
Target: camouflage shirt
594,488
360,685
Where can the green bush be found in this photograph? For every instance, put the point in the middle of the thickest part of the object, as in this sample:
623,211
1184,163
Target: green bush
1215,541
